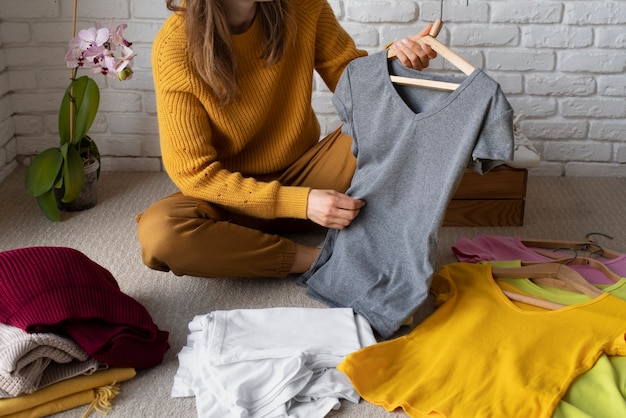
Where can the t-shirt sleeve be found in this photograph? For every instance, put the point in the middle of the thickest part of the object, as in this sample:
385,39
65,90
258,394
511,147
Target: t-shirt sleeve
442,287
618,348
495,141
342,100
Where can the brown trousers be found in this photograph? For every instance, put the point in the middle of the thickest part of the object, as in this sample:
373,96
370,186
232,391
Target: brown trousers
193,237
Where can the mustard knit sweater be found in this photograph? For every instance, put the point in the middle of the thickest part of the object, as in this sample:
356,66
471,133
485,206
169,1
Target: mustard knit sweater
218,153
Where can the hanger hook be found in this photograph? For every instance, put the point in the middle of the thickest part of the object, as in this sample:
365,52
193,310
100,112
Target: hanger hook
598,251
588,236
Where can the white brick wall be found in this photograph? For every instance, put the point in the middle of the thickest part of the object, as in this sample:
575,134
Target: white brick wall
562,63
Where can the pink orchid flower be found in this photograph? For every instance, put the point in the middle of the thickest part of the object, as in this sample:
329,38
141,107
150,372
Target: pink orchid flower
117,34
103,50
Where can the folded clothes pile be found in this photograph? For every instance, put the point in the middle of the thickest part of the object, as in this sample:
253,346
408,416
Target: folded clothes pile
30,361
61,290
68,334
270,362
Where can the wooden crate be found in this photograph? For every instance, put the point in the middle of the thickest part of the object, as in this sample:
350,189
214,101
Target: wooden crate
492,199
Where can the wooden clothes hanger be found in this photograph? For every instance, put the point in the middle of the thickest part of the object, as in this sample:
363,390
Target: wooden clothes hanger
551,272
531,300
588,247
579,260
559,275
440,49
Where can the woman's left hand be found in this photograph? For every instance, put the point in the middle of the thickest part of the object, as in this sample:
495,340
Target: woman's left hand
412,54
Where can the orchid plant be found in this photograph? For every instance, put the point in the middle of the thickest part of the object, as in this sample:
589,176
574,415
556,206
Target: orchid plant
105,51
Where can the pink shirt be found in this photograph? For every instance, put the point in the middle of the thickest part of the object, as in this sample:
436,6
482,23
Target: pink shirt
494,247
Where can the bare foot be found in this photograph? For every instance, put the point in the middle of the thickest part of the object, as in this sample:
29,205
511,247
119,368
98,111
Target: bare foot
305,255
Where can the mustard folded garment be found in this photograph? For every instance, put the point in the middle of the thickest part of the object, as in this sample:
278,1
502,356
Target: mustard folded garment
96,389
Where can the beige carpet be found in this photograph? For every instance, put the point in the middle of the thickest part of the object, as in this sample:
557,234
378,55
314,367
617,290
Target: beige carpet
556,208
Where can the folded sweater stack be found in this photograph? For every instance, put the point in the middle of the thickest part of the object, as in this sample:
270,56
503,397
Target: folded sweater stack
31,361
60,290
63,318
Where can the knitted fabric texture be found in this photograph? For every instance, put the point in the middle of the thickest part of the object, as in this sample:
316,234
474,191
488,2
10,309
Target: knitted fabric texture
217,153
59,289
29,362
64,395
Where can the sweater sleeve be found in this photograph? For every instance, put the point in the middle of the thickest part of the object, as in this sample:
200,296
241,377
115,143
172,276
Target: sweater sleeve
219,153
187,139
334,47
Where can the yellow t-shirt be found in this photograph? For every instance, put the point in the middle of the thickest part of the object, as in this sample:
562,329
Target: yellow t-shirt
480,355
221,153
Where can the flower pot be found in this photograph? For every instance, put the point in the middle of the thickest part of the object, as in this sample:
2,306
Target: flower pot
88,196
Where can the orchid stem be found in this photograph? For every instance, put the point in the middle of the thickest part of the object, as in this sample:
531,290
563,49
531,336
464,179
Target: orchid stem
74,19
72,78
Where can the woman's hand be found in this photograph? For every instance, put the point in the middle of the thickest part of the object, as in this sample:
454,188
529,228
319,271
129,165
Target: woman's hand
412,54
332,209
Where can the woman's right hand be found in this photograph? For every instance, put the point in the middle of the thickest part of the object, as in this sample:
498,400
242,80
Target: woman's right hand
332,209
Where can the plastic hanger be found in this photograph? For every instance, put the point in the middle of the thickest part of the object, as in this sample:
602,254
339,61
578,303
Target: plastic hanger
442,50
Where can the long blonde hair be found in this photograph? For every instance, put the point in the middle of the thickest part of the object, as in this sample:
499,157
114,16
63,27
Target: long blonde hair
210,42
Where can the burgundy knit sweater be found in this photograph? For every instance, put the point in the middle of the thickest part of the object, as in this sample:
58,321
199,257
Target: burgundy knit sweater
61,290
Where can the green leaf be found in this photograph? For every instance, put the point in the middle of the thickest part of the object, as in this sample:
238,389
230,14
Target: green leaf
43,171
64,119
59,182
48,205
86,100
73,173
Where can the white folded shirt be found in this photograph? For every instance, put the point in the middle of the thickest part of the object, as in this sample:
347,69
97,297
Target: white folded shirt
274,362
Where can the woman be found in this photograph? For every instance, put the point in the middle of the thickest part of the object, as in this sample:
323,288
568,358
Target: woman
239,137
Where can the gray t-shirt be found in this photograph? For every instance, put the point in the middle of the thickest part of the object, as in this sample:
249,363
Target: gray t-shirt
412,146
